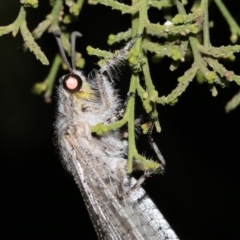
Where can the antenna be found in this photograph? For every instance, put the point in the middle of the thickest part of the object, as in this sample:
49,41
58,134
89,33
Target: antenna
57,33
74,35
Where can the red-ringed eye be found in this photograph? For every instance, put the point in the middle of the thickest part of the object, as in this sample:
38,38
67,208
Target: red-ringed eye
72,83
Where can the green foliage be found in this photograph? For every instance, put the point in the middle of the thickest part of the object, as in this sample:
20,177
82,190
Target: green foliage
30,3
183,34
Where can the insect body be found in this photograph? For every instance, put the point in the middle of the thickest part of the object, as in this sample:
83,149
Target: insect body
98,163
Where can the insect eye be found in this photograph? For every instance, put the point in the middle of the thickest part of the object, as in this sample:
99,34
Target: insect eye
72,83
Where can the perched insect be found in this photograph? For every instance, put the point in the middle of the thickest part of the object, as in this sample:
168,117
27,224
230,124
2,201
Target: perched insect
118,206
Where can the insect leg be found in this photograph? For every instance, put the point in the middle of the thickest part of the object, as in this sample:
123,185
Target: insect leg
157,152
121,112
154,145
118,58
108,96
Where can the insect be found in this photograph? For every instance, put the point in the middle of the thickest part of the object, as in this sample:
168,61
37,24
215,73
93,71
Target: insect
119,208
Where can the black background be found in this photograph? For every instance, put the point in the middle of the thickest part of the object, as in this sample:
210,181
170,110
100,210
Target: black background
199,193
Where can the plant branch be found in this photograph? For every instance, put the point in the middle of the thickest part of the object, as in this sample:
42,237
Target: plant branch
14,27
234,27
